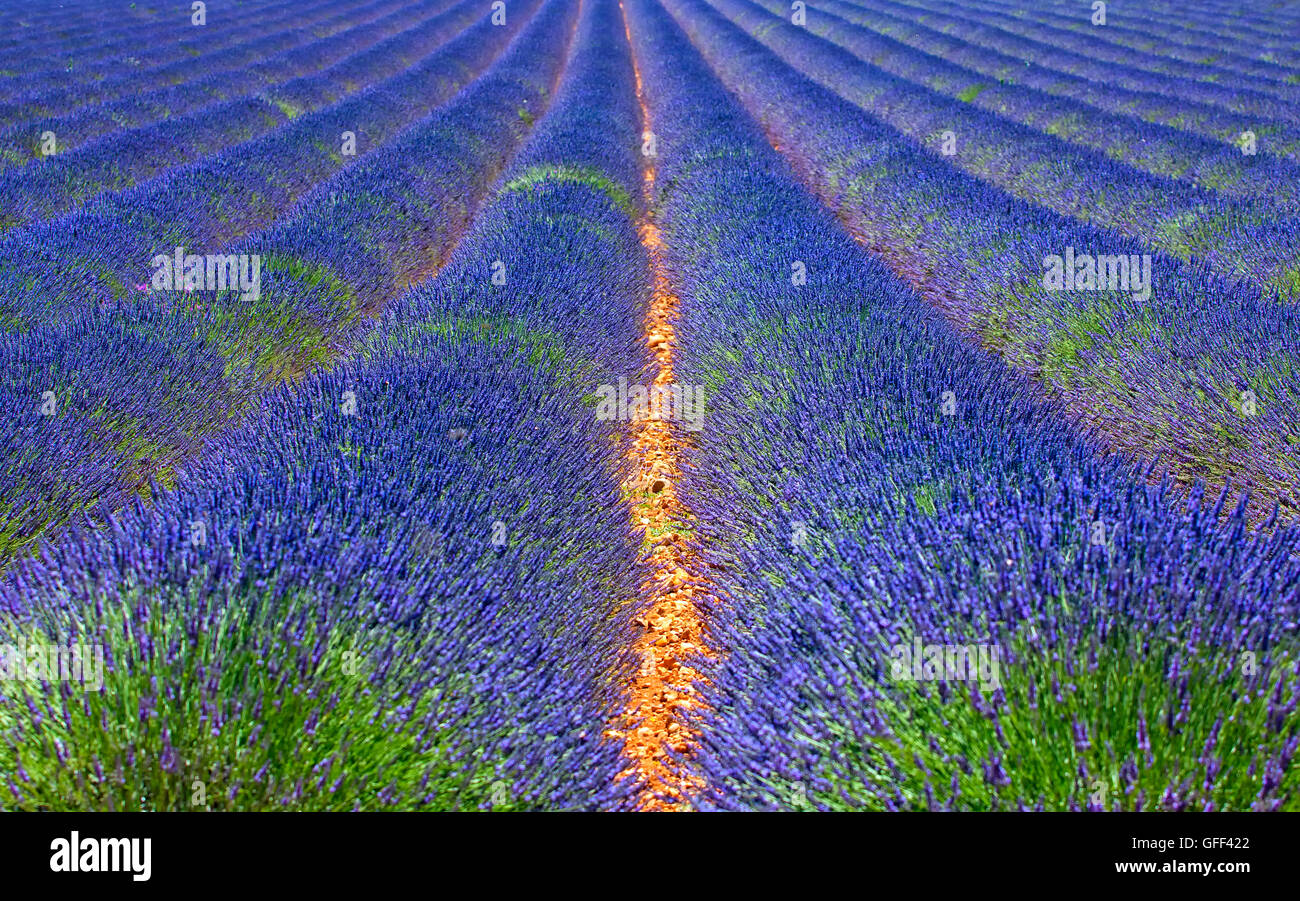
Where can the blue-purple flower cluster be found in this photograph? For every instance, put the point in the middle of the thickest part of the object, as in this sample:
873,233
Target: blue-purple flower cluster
1193,50
353,244
1250,237
964,41
53,46
120,69
869,483
1239,38
1218,164
1080,48
1260,34
1197,373
100,252
355,537
420,558
115,144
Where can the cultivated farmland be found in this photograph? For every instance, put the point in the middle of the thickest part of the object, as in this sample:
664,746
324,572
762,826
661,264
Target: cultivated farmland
643,405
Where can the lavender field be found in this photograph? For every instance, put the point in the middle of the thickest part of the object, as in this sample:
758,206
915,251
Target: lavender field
650,405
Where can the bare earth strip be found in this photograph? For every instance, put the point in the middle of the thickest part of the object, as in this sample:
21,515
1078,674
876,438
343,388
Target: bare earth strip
662,692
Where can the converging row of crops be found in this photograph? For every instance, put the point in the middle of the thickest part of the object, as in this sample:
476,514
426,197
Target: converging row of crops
649,405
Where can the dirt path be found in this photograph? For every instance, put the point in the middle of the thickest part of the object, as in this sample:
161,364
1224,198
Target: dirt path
662,689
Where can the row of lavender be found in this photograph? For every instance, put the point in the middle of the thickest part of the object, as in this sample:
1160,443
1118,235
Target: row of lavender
46,38
1008,60
1254,238
1263,33
1106,45
102,399
149,57
168,50
99,253
418,557
1186,40
1237,170
1072,54
873,491
1257,33
1178,363
74,177
207,80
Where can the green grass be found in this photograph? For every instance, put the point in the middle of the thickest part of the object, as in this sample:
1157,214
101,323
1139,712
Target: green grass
994,324
563,173
311,715
335,155
1061,354
540,347
272,337
1108,695
926,495
290,110
1288,283
1191,234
